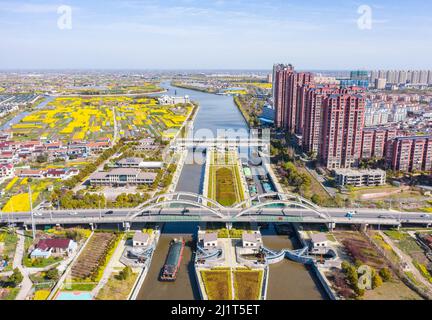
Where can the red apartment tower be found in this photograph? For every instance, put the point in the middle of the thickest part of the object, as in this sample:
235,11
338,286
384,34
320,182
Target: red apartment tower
410,154
375,140
342,128
289,109
312,121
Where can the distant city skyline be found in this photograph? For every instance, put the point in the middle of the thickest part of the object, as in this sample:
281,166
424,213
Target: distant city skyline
215,34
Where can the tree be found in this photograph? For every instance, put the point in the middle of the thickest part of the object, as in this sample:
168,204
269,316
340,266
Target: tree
16,278
125,273
385,274
317,199
376,281
52,274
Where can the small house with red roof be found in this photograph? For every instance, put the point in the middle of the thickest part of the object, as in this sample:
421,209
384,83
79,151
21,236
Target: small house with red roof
45,248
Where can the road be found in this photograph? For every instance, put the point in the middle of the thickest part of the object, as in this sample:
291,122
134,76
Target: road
26,284
336,215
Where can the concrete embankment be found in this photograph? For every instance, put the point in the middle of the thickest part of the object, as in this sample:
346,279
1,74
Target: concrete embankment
316,271
143,274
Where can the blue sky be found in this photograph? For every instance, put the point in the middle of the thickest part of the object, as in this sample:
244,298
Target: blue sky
215,34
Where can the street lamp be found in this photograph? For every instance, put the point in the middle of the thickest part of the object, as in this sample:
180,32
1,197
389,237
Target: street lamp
100,211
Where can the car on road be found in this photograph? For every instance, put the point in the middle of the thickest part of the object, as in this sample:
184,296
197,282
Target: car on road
73,213
185,210
351,214
109,212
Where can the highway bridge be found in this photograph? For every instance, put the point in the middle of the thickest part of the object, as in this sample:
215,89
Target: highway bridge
222,142
190,207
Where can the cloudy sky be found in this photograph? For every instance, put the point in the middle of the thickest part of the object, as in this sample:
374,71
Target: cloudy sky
215,34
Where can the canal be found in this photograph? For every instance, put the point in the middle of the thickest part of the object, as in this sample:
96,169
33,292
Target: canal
287,281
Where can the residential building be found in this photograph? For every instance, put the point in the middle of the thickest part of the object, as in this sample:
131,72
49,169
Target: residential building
287,84
360,178
313,118
342,127
410,154
45,248
7,171
374,141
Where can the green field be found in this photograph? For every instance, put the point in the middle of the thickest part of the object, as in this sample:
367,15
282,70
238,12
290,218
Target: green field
217,284
225,181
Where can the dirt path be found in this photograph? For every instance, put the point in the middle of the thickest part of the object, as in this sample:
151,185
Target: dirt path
406,258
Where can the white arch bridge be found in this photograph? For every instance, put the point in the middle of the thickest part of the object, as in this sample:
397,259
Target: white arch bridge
187,204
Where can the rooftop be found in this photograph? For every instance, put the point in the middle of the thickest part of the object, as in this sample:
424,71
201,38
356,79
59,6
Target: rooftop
318,237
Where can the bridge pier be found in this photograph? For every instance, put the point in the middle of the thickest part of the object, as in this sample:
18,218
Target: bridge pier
126,226
93,226
229,225
331,226
363,227
25,227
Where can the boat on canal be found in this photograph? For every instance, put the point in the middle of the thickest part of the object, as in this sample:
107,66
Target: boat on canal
173,260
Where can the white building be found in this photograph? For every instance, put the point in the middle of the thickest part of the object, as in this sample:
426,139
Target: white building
359,178
251,240
210,240
380,83
138,163
319,243
122,177
167,100
140,239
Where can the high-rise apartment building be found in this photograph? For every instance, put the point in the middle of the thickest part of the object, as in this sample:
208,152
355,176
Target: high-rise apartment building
415,77
374,141
410,153
342,127
313,117
287,86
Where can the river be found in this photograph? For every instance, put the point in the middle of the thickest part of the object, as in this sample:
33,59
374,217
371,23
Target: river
288,280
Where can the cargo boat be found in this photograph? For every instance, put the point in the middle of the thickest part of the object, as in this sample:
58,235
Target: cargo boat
173,260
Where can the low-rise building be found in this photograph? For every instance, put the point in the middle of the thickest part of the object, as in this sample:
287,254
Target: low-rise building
319,243
63,174
167,100
134,162
251,240
122,177
6,171
45,248
210,240
140,239
359,178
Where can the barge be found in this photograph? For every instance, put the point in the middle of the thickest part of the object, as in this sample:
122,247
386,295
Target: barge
173,260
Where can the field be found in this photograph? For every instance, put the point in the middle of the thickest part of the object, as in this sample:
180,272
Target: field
116,289
217,284
94,256
17,194
247,284
80,118
225,181
359,249
261,85
410,247
10,241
